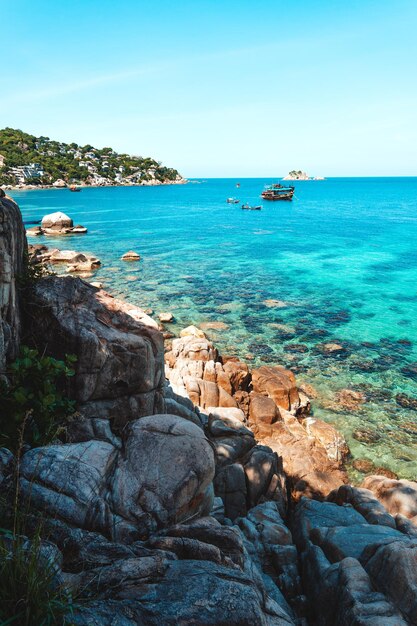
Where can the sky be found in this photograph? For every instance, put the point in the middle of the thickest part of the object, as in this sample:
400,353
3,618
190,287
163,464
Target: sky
219,88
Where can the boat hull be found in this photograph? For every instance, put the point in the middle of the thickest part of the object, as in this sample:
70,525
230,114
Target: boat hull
275,198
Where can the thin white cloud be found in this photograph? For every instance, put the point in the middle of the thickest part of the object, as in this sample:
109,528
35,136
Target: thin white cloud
85,84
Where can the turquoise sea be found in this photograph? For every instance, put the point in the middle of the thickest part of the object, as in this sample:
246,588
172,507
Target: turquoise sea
340,262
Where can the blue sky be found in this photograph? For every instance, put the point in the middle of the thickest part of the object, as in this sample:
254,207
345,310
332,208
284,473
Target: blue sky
219,88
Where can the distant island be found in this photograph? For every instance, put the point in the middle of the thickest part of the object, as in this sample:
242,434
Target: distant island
26,161
300,175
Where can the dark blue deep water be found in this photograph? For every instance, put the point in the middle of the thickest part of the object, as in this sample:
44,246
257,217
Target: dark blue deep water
340,262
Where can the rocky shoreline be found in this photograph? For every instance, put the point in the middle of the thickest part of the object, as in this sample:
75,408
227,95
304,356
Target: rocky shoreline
145,183
190,488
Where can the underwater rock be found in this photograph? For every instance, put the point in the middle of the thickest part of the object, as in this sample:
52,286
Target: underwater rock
366,435
402,399
363,465
276,304
349,399
410,370
330,348
296,347
214,326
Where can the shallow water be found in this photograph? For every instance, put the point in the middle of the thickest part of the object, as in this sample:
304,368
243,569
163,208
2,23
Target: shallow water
340,261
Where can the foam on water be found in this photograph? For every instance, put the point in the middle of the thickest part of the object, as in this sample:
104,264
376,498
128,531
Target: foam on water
340,260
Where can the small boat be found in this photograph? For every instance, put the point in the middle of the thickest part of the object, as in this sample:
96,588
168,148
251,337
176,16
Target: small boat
74,188
247,207
232,201
278,192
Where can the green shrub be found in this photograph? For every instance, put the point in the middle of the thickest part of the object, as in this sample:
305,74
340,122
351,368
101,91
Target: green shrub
34,403
30,594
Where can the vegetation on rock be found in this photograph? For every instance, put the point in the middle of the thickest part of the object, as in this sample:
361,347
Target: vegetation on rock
33,400
29,591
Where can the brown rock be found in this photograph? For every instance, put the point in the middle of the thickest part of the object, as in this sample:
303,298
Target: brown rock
238,374
397,496
242,401
277,383
263,409
349,399
332,441
306,461
192,331
67,256
309,390
363,465
204,394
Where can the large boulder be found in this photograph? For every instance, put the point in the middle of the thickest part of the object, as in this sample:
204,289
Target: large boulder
119,350
57,221
58,224
12,250
162,476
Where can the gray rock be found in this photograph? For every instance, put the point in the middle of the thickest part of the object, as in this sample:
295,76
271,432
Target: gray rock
12,248
393,569
365,502
119,350
85,429
6,463
57,221
230,486
165,471
189,592
343,541
162,476
265,478
311,514
342,594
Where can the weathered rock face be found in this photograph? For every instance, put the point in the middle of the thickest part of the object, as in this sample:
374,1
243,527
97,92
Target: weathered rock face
355,572
162,476
312,453
119,371
12,249
278,384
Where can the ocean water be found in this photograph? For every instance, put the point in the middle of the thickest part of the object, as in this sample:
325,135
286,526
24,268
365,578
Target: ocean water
337,265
